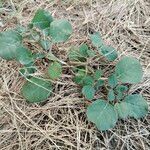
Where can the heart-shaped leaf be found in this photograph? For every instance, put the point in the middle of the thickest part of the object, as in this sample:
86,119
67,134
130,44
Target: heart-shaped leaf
42,19
36,90
102,114
55,70
129,70
133,105
60,30
9,42
88,91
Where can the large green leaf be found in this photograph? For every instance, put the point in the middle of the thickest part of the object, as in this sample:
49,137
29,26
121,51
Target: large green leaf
102,114
109,52
88,91
60,30
129,70
42,19
133,105
9,42
36,90
24,56
96,40
55,70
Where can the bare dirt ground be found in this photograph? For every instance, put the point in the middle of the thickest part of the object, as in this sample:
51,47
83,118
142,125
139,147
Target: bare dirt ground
61,123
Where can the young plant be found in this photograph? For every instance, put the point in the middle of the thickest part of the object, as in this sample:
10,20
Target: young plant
118,104
45,31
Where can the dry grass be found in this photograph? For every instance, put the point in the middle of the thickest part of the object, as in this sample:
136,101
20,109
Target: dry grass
60,123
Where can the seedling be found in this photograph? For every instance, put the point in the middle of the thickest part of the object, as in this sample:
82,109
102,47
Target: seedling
119,104
45,31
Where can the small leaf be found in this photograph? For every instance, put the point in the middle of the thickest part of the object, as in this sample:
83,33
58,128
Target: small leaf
79,76
38,56
24,56
111,95
36,90
88,91
102,114
112,81
60,30
91,53
34,35
98,74
42,19
88,80
83,50
134,106
9,42
96,40
46,44
129,70
99,84
55,70
76,55
109,52
120,90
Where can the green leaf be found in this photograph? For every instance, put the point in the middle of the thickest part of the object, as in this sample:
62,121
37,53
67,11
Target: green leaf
79,76
120,90
96,40
109,52
129,70
134,106
24,56
88,80
60,30
91,53
34,35
88,91
112,81
36,90
122,109
99,84
102,114
83,50
98,74
111,95
55,70
38,56
42,19
76,55
46,44
9,42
